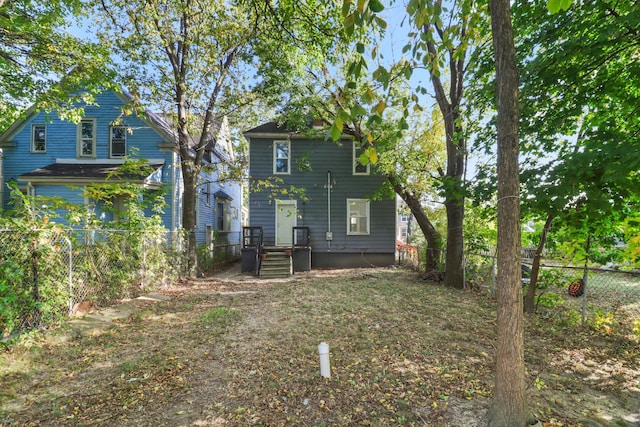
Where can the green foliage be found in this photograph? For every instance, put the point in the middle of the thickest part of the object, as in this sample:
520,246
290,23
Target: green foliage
549,300
37,54
37,286
579,152
555,278
603,321
554,6
11,279
275,188
205,258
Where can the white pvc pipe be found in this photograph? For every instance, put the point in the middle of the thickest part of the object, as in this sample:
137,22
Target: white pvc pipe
325,364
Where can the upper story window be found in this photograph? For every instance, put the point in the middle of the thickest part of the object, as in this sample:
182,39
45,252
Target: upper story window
118,141
281,157
87,138
359,168
38,139
357,216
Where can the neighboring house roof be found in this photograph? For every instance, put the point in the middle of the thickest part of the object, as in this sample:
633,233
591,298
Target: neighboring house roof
222,195
74,172
220,146
161,123
275,129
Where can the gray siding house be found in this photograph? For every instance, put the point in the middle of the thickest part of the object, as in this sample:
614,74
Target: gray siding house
345,227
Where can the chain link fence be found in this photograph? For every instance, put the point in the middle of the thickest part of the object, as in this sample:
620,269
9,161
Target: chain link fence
46,273
222,250
590,291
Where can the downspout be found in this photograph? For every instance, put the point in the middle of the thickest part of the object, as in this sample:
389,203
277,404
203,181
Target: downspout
329,235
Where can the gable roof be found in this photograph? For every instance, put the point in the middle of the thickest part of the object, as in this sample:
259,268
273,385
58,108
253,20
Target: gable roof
160,123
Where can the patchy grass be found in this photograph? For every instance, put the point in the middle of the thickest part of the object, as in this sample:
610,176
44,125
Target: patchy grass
403,352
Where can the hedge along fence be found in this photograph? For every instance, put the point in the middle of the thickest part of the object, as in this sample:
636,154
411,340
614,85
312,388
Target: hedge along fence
44,273
602,294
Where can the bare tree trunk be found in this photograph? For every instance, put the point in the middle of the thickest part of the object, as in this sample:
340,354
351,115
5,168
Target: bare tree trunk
530,299
189,178
434,240
508,408
454,272
449,105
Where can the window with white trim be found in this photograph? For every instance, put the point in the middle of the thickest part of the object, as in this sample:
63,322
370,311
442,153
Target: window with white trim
87,138
359,168
38,139
357,216
118,141
281,157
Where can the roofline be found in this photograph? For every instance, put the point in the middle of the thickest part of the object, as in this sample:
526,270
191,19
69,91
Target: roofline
87,181
19,124
108,161
289,135
32,111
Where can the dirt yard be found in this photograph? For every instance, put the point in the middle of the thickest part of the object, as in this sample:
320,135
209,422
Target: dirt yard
236,351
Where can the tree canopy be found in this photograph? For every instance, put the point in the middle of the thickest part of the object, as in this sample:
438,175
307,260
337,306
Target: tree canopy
40,61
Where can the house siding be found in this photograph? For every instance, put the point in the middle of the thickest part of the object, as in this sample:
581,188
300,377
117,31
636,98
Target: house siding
143,141
325,159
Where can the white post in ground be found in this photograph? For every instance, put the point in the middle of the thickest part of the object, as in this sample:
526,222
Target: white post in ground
325,365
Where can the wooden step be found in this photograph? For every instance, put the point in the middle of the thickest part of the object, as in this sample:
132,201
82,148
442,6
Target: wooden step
276,265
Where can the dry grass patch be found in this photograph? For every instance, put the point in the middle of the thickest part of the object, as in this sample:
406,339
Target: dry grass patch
225,353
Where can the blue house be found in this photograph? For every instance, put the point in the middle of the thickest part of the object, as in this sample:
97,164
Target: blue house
314,198
49,156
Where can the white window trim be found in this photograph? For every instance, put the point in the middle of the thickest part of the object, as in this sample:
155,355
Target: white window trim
111,155
356,161
368,218
275,157
79,140
33,139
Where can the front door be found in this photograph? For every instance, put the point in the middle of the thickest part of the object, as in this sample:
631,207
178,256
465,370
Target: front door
286,219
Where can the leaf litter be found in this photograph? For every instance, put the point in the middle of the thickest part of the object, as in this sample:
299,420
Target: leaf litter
244,352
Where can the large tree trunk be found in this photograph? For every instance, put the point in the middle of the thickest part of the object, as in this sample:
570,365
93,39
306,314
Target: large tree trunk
530,299
434,240
509,407
454,271
189,217
456,149
449,105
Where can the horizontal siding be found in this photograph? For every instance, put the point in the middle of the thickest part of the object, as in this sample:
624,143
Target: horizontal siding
313,212
61,142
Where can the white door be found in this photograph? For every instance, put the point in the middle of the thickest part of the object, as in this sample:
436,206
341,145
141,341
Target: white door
286,213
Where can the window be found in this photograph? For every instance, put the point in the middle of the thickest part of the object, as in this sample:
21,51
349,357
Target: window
208,235
118,141
359,168
404,218
120,209
357,216
281,158
208,194
223,216
87,138
38,139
